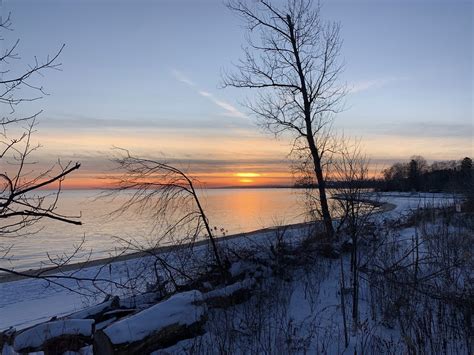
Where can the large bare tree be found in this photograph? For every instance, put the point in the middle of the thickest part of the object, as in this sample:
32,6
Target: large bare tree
292,58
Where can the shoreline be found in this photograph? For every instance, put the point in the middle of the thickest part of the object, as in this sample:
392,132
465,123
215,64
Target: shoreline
41,272
33,273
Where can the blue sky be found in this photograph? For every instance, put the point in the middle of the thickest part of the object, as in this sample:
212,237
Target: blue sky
146,75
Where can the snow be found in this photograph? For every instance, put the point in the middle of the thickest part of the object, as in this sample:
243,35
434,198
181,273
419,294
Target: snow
178,309
231,289
34,337
405,201
39,301
316,295
236,268
92,311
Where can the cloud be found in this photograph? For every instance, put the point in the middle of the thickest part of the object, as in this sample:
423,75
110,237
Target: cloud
83,123
424,131
182,78
428,129
229,110
365,85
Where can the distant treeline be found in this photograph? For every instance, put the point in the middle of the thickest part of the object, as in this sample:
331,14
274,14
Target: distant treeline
416,175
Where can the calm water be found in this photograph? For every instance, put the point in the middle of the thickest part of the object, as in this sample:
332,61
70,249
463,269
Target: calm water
235,210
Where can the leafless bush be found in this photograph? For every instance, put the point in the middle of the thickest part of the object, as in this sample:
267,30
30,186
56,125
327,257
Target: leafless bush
182,245
422,283
251,328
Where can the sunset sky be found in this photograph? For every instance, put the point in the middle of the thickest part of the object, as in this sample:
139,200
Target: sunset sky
145,76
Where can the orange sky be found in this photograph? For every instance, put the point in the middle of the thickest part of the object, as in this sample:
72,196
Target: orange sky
236,158
78,181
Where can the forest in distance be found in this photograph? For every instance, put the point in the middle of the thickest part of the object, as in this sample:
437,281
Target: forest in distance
417,175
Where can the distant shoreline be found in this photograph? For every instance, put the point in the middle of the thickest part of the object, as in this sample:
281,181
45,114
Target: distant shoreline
199,188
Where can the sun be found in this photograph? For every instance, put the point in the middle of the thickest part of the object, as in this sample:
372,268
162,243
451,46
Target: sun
247,175
247,178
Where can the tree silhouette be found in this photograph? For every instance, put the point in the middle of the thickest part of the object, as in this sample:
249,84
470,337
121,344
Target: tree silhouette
292,59
21,204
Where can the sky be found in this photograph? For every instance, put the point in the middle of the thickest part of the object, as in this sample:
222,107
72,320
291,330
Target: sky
146,76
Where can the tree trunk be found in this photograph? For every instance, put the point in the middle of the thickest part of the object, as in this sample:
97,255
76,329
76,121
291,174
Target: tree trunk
323,199
309,135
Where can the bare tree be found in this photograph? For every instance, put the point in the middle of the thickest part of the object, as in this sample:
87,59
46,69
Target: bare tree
29,194
170,197
21,203
292,59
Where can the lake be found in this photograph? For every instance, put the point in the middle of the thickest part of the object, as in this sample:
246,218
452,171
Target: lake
234,210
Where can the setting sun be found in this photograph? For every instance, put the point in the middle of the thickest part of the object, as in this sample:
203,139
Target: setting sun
247,175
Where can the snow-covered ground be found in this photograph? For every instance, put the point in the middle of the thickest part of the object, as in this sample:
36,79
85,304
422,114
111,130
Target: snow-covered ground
26,302
29,301
313,301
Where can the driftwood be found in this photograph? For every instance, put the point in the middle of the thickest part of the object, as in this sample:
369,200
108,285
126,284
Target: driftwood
97,312
161,339
55,337
231,295
113,316
140,300
182,316
131,325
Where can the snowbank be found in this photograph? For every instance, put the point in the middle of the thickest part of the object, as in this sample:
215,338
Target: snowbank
37,336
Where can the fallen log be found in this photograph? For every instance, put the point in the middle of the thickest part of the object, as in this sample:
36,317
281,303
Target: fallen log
164,324
55,337
231,295
96,312
140,300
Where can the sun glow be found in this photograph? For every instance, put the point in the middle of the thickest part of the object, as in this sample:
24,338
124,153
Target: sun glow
247,175
247,178
246,181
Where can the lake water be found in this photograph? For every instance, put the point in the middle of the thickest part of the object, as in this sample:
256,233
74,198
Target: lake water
235,210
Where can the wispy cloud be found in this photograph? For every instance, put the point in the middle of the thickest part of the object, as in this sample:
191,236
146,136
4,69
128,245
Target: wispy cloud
229,110
430,129
182,78
413,129
365,85
83,123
